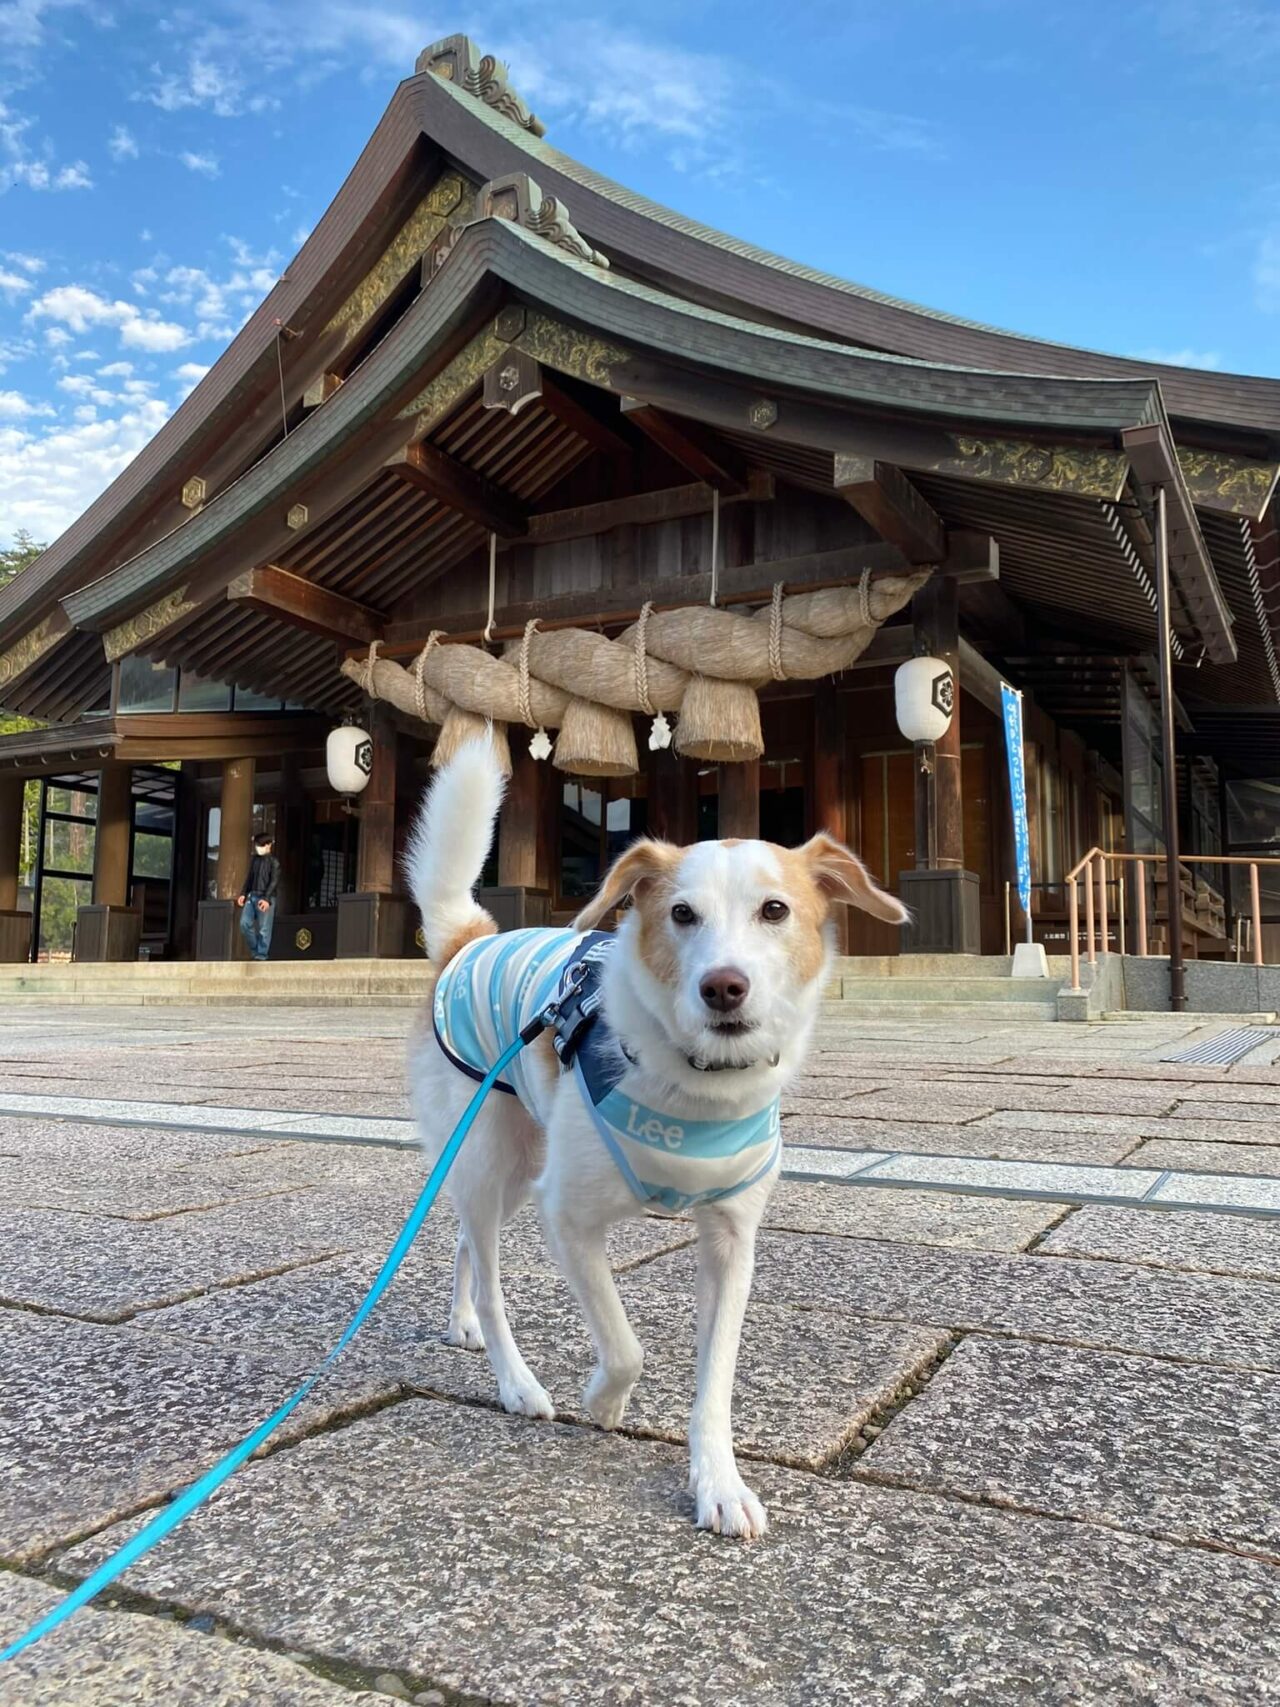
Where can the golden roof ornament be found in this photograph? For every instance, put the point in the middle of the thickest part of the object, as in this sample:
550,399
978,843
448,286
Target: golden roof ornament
458,60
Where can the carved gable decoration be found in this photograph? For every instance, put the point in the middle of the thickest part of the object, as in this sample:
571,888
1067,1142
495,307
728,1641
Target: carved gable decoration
457,59
517,198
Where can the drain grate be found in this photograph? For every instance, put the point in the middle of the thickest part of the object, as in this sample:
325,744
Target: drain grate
1225,1049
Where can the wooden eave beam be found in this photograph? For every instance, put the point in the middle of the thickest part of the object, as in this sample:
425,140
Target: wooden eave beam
585,417
739,584
696,448
300,603
460,488
887,501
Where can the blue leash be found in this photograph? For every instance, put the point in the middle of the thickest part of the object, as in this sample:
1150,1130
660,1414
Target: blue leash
193,1497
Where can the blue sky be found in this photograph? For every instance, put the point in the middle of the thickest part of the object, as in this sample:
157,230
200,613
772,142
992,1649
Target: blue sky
1098,173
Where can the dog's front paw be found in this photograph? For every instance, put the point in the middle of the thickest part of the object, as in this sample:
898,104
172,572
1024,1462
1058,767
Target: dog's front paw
729,1507
526,1399
465,1331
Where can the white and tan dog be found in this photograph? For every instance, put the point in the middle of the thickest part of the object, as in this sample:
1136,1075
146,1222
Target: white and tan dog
711,993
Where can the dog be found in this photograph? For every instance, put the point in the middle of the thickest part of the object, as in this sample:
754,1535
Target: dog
708,992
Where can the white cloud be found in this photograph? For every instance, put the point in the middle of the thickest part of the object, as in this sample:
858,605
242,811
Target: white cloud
28,263
57,336
116,370
48,476
1184,357
13,405
14,284
121,144
194,372
77,307
205,164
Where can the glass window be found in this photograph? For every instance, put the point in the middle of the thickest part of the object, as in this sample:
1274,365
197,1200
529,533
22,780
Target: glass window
60,899
248,700
199,693
145,686
68,846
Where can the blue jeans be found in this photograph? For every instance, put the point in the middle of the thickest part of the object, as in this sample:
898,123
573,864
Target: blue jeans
255,926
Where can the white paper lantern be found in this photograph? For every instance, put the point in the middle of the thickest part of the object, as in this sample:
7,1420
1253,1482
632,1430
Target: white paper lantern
349,757
924,692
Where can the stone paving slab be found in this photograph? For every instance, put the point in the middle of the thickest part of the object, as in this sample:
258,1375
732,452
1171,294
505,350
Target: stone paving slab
97,1422
1250,1113
807,1381
1212,1244
1199,1318
934,1112
39,1138
1182,1453
964,1172
110,1659
1257,1159
994,1143
102,1269
542,1566
899,1101
910,1217
1219,1191
830,1163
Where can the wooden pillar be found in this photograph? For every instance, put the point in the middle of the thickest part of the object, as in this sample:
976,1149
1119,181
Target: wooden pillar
187,875
935,612
740,801
112,837
376,861
11,794
828,795
520,821
235,826
672,802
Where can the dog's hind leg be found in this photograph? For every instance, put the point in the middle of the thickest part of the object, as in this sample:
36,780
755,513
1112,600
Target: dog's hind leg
489,1183
464,1325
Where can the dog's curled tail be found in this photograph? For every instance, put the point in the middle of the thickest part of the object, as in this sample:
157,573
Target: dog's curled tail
448,848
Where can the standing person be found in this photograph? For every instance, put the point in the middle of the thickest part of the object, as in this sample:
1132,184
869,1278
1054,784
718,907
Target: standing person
259,899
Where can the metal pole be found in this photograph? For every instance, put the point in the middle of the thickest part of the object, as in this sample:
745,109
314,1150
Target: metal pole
1073,910
1008,919
1140,893
1255,907
1104,927
1088,911
1177,968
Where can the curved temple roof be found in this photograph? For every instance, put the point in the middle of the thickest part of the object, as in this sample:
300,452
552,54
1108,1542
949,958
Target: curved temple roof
679,316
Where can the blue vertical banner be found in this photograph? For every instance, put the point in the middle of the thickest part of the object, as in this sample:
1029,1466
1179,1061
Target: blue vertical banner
1011,703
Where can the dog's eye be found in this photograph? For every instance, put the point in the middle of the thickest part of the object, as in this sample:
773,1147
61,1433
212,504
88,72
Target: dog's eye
774,911
683,914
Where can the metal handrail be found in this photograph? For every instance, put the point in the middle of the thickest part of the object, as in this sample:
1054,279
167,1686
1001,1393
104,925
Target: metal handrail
1086,867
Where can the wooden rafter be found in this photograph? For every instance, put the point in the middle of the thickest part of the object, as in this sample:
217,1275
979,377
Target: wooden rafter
693,446
300,603
585,416
886,500
460,488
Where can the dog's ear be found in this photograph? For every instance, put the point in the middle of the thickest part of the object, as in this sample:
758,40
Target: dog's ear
629,874
841,876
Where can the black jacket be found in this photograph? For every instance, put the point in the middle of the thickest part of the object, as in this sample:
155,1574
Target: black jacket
263,878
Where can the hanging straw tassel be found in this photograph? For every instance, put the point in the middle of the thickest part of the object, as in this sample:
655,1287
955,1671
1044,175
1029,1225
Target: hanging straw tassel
460,727
596,741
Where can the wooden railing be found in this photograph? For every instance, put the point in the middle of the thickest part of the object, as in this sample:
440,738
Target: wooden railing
1093,869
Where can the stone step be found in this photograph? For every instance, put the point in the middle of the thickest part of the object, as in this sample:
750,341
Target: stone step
834,1014
948,989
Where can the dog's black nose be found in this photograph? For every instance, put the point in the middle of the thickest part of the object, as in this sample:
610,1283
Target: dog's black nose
725,989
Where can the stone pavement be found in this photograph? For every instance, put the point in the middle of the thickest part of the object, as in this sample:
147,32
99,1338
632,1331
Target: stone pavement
1010,1385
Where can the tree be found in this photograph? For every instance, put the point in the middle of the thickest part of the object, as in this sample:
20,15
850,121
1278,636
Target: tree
18,556
13,560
